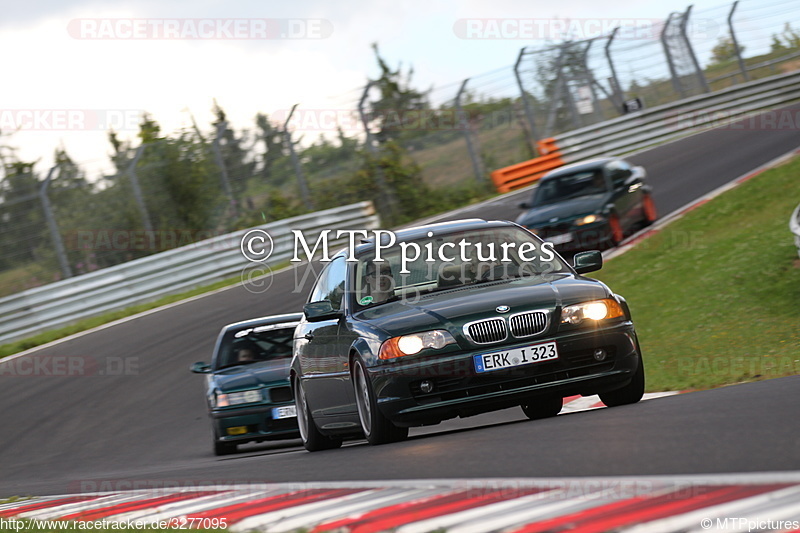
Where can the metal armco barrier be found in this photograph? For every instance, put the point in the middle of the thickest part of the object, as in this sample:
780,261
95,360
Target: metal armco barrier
649,127
794,226
146,279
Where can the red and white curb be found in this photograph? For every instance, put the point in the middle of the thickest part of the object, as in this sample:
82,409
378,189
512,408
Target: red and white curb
574,404
636,505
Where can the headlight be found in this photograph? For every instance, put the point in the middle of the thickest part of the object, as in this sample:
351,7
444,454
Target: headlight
415,343
596,310
589,219
238,398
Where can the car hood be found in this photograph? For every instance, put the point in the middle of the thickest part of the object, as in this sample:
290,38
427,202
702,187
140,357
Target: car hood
453,308
542,215
252,376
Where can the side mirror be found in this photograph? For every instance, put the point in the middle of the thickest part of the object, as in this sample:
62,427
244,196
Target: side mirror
317,311
588,262
200,368
524,205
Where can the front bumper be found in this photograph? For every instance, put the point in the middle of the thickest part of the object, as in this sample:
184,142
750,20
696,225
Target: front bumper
258,421
458,390
590,237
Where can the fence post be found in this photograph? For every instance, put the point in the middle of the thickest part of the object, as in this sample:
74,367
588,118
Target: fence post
697,69
525,101
618,95
676,84
590,81
298,169
223,171
385,195
137,190
477,167
58,243
736,43
556,97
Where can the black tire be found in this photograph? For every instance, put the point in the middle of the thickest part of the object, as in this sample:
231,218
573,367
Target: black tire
630,393
377,428
223,448
538,408
313,440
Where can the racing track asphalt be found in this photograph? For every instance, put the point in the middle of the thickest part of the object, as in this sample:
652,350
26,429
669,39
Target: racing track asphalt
65,433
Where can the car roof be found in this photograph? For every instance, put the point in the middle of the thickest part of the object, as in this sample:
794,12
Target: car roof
581,166
419,232
291,319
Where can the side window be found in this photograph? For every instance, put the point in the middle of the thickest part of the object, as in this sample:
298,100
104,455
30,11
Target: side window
330,285
618,171
334,283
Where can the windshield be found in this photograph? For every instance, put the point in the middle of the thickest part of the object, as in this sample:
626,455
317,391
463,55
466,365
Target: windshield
253,345
569,186
450,261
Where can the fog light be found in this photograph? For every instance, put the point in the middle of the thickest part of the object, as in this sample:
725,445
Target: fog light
599,354
426,386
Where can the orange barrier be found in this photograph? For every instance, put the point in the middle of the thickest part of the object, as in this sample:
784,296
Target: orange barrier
523,174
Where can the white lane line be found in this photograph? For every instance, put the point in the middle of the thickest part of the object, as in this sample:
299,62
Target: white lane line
687,521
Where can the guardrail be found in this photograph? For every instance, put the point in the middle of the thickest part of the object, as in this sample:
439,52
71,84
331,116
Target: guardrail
653,126
648,127
794,226
146,279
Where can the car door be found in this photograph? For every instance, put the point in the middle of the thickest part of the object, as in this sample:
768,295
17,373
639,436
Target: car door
626,194
326,372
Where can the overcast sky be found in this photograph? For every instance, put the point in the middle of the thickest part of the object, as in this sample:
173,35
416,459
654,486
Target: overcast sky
117,59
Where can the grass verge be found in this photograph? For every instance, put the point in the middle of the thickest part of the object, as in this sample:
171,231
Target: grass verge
714,294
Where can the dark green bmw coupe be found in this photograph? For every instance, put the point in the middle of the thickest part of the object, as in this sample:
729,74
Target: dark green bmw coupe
455,319
247,387
589,205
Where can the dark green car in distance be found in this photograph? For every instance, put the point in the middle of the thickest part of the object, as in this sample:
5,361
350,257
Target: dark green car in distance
452,320
247,387
589,205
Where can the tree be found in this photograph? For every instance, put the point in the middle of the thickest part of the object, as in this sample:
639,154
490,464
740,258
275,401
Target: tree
788,39
396,112
233,154
724,50
272,138
23,228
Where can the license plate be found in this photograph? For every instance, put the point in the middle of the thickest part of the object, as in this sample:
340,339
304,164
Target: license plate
560,239
289,411
527,355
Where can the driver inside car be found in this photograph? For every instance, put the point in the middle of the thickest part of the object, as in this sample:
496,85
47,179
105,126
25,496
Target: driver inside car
378,281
